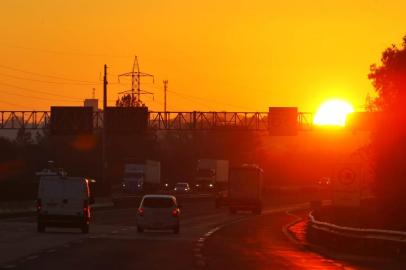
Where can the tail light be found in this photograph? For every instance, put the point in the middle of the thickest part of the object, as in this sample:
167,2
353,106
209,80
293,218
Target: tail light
85,206
141,211
175,212
39,205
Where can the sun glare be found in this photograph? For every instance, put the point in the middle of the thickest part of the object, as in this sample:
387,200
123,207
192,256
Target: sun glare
333,113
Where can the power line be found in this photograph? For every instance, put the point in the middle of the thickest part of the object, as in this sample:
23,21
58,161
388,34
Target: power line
38,91
67,52
190,99
14,104
33,97
205,99
42,81
44,75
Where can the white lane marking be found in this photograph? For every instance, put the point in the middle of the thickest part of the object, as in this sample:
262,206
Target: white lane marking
33,257
199,257
285,229
51,251
10,266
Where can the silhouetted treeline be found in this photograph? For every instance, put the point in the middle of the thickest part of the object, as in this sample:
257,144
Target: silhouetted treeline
388,147
297,160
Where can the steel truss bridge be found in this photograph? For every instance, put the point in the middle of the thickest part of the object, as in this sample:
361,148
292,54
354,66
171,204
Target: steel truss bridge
176,121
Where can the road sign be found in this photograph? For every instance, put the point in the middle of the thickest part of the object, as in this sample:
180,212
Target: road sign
346,185
71,120
126,120
283,121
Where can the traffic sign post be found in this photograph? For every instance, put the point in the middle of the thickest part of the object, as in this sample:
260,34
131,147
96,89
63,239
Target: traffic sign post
346,185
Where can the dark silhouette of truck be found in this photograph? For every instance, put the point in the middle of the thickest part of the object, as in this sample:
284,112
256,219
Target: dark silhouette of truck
245,189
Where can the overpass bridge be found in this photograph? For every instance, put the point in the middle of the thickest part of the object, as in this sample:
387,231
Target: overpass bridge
176,121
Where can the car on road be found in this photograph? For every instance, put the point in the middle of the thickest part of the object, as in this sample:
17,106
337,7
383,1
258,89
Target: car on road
64,202
181,187
159,212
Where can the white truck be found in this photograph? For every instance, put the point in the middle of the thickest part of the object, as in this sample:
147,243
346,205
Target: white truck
211,174
141,177
245,189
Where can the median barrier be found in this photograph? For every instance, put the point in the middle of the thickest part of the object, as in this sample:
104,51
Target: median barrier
357,241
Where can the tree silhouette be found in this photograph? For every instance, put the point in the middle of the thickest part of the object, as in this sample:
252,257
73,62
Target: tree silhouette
389,138
127,100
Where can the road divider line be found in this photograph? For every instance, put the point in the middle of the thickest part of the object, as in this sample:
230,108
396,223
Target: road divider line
200,259
286,229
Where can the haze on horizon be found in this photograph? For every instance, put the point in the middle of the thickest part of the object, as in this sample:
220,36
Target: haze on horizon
228,55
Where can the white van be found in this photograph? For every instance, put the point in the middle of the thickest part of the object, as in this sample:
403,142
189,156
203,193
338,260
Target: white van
64,202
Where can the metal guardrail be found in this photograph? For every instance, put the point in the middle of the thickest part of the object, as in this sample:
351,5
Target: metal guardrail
254,121
360,232
372,243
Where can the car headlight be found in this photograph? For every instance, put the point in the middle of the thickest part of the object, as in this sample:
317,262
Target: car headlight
210,185
123,184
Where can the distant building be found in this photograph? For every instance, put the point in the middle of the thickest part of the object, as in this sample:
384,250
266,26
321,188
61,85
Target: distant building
92,102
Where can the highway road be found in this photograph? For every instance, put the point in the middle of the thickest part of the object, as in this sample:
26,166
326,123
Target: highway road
209,239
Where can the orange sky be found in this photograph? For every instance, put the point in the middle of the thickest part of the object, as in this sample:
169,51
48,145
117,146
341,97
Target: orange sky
217,55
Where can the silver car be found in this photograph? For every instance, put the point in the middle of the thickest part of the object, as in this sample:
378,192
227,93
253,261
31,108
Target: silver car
159,212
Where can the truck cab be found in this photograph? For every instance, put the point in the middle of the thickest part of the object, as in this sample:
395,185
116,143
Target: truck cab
133,178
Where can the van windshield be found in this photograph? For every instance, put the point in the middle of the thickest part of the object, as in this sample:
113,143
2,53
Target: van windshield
158,202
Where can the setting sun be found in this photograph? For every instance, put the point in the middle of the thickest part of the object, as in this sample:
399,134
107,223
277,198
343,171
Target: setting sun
333,113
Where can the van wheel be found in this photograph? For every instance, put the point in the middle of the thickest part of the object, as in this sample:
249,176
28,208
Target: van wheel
85,228
40,227
139,229
176,230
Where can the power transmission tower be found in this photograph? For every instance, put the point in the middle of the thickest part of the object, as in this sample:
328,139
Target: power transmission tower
136,75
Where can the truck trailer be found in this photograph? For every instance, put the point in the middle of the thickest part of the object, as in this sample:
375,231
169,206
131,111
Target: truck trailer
142,177
245,189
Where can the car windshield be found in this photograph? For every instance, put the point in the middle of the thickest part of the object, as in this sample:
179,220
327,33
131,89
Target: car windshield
158,202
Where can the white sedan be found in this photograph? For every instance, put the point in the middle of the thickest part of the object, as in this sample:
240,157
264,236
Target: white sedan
160,212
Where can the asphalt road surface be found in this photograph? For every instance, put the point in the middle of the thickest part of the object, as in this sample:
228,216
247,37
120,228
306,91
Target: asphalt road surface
209,239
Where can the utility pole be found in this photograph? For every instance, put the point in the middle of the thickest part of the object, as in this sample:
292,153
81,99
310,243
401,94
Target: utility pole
165,90
104,135
136,75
